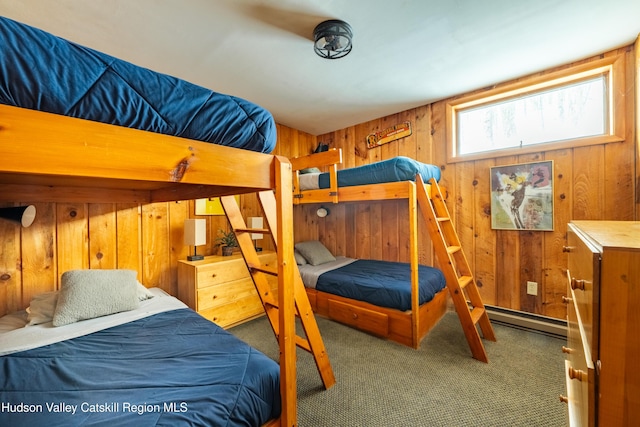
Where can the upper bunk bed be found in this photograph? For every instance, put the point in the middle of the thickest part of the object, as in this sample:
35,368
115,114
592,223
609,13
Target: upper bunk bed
416,183
80,126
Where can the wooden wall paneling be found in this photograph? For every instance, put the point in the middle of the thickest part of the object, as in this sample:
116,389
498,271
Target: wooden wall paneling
554,286
463,217
507,272
531,257
129,237
634,114
72,237
363,230
102,236
618,194
178,212
392,232
10,272
588,182
156,247
350,230
38,254
484,245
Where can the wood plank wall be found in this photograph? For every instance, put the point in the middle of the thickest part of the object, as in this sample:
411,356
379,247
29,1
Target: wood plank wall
594,182
146,238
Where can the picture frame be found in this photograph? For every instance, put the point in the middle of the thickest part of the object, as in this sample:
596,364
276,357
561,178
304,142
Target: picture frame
522,196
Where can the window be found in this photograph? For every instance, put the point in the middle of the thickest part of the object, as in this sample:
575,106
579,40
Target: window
569,108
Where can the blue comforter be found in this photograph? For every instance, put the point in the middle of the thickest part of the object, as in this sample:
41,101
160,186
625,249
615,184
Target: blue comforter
173,368
392,170
43,72
381,283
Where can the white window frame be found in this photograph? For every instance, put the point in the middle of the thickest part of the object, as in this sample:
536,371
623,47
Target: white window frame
611,68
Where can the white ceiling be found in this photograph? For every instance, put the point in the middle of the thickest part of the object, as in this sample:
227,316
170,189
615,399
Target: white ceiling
406,53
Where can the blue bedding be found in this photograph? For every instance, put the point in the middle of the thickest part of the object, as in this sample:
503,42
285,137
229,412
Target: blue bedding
169,369
392,170
43,72
381,283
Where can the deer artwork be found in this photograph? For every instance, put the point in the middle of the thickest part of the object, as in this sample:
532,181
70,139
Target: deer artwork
524,209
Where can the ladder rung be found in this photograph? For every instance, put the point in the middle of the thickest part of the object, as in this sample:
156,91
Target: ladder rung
303,343
476,314
463,281
262,269
453,249
443,219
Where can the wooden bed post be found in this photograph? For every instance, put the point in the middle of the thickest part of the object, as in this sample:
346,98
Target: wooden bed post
286,294
413,244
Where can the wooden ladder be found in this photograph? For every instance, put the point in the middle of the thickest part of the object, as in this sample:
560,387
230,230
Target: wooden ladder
460,281
313,342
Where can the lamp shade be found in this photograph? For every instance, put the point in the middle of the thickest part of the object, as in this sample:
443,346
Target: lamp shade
24,215
332,39
256,222
195,232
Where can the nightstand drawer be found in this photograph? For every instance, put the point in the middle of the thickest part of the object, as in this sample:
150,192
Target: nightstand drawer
235,312
221,289
217,295
221,272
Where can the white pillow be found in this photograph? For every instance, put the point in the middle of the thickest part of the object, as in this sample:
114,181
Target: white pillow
43,305
41,308
85,294
314,252
299,258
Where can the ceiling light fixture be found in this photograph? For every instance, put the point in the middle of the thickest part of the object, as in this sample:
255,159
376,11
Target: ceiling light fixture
332,39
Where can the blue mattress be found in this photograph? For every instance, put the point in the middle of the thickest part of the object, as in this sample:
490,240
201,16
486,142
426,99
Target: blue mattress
381,283
169,369
43,72
392,170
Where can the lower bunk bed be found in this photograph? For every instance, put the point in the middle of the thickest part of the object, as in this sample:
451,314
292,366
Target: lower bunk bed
378,297
157,364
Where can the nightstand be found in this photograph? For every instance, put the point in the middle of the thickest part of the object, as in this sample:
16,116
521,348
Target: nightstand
220,288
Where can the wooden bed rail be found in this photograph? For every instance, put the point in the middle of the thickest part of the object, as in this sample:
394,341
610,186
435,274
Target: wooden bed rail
331,159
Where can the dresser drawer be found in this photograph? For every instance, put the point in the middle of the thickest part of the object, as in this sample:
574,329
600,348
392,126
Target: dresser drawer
583,275
234,312
221,272
578,367
217,295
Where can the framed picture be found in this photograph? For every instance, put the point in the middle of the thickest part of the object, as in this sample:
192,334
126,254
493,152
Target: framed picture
522,196
211,206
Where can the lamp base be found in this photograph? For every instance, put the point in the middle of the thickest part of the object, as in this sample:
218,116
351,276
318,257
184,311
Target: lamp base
195,257
258,249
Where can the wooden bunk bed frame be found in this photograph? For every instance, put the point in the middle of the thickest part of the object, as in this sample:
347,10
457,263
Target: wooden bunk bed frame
53,158
408,327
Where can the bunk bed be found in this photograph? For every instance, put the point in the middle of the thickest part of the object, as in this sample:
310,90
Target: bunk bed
388,180
108,142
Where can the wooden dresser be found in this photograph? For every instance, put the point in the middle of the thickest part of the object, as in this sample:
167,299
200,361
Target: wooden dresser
220,288
603,313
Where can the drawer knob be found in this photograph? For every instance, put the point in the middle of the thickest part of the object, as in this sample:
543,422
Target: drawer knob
354,315
214,296
568,248
566,300
567,350
577,284
564,399
577,374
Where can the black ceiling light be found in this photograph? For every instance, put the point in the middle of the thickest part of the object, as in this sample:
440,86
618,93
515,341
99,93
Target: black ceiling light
332,39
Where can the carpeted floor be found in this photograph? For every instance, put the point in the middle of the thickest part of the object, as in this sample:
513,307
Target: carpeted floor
380,383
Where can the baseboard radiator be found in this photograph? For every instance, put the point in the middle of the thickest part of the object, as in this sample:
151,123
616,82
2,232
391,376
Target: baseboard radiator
529,321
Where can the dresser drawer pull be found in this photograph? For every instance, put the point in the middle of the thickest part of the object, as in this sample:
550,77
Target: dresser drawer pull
564,399
566,300
577,374
577,284
568,248
567,350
